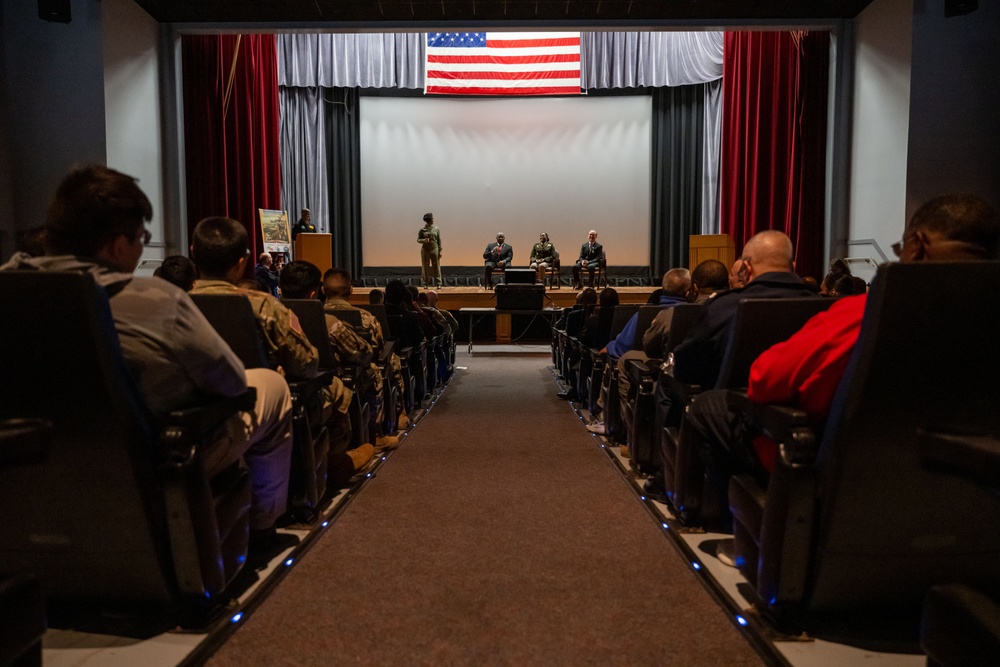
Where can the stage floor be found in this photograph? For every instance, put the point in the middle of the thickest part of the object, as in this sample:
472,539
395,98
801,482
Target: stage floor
453,298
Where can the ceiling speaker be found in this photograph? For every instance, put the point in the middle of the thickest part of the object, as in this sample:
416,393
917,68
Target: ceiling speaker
54,10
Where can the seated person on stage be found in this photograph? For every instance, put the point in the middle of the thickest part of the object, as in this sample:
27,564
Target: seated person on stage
178,270
95,225
337,290
302,280
805,370
676,289
219,249
498,255
591,258
543,255
265,274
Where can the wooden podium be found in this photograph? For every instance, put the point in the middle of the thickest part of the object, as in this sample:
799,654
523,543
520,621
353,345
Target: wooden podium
316,249
711,246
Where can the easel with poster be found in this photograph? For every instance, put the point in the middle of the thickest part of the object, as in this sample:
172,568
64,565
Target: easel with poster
277,235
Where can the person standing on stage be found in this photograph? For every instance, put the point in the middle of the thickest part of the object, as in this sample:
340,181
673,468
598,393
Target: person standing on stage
429,238
303,225
591,257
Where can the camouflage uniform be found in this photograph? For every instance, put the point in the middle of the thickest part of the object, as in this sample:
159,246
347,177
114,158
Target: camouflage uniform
429,238
290,352
375,335
543,255
177,359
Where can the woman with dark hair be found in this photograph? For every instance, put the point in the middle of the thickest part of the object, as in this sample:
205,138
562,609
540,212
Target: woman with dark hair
596,331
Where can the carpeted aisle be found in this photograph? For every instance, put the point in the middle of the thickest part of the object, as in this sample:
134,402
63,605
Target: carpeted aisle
498,534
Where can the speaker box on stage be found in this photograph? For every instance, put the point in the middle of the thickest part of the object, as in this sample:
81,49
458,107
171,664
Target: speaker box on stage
520,297
520,276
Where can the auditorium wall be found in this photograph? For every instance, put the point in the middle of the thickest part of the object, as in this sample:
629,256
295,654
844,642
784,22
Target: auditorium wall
63,104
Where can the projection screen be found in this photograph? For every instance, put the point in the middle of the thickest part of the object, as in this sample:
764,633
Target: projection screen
517,165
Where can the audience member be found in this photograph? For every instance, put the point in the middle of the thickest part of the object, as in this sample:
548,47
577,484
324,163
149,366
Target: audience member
735,278
337,288
265,275
498,255
838,268
765,269
178,270
591,258
95,225
805,370
432,301
571,321
430,327
543,255
411,333
708,279
596,330
32,241
676,289
219,249
376,297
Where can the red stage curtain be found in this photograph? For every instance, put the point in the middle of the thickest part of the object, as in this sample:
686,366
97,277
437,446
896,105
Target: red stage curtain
773,155
232,160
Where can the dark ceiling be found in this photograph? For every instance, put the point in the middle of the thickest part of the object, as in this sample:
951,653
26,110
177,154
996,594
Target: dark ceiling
497,13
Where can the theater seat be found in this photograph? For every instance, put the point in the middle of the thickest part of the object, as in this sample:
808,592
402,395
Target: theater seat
899,493
122,518
22,621
758,324
960,626
231,315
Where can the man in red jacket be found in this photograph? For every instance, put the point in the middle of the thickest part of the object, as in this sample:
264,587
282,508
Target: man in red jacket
805,370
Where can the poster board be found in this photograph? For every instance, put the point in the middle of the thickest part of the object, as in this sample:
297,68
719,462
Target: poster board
276,233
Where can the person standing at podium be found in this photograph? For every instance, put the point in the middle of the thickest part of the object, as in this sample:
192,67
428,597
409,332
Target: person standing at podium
429,238
303,225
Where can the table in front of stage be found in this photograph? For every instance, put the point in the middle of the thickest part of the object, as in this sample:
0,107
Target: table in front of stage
503,326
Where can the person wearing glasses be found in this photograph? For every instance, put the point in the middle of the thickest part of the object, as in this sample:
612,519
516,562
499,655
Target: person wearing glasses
805,370
95,225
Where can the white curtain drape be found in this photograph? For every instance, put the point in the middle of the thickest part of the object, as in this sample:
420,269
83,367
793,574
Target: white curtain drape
303,155
396,60
310,63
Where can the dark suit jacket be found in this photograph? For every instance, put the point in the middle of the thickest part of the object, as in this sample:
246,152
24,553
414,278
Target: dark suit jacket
698,358
591,254
506,254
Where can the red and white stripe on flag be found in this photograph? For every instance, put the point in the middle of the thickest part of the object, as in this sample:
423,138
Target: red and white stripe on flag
502,63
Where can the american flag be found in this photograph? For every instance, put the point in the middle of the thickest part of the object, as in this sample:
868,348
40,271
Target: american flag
502,63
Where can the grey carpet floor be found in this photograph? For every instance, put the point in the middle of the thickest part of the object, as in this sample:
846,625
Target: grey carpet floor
497,534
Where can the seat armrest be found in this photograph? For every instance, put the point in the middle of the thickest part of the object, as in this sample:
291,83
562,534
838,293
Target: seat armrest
973,457
638,370
24,441
302,389
788,427
184,428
